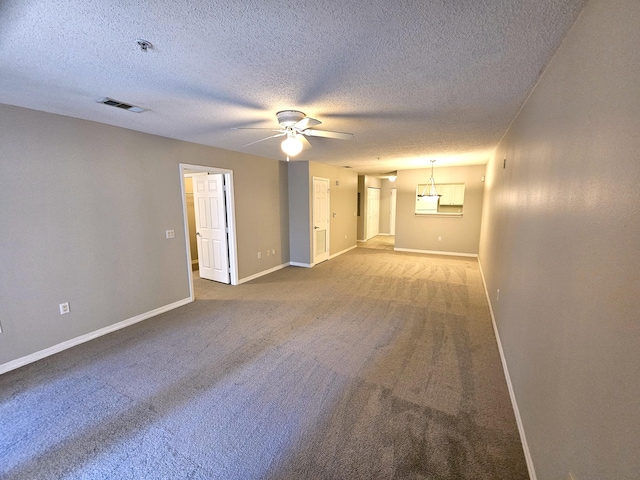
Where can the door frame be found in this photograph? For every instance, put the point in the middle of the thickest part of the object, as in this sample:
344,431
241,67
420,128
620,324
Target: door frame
185,169
393,199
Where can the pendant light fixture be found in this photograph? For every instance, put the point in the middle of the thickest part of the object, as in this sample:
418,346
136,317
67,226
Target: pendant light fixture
433,192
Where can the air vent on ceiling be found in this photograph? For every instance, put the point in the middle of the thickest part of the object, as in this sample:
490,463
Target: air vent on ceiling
125,106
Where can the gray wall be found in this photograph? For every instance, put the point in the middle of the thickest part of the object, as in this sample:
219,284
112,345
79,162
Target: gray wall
560,240
299,212
420,232
84,209
343,201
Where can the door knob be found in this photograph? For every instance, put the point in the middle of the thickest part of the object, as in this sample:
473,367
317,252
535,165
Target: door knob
198,234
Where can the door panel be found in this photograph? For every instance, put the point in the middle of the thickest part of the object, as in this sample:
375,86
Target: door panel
320,220
211,227
373,212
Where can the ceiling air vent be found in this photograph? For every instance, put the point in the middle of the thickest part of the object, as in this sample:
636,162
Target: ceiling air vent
125,106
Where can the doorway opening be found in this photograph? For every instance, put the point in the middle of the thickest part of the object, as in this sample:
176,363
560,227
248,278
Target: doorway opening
227,215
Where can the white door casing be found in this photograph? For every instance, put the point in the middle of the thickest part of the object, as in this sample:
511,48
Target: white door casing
392,212
320,220
373,212
211,226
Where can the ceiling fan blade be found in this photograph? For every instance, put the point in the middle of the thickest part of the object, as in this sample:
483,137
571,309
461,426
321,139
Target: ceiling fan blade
305,143
263,139
258,128
326,134
305,123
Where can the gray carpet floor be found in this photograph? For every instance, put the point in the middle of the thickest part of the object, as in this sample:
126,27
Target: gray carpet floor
373,365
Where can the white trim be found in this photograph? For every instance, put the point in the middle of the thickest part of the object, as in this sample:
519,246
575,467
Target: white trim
343,251
437,252
264,272
298,264
19,362
514,403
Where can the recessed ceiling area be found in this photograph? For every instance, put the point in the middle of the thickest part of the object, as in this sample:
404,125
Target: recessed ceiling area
411,80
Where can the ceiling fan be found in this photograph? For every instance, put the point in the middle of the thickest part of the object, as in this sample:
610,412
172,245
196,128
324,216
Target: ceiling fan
296,126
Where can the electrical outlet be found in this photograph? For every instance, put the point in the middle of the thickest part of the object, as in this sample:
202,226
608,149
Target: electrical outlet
170,233
268,252
259,254
64,308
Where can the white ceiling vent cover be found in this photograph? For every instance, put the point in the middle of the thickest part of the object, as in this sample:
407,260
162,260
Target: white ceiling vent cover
115,103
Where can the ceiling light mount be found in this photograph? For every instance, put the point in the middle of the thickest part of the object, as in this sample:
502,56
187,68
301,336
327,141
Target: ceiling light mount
288,118
144,45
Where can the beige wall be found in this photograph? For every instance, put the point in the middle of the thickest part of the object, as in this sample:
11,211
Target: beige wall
560,239
421,232
84,219
343,202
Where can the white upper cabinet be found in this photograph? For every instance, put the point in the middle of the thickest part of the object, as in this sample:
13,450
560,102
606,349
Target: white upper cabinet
451,193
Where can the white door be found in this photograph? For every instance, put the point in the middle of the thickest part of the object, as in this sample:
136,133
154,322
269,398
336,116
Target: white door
211,226
373,212
392,213
320,219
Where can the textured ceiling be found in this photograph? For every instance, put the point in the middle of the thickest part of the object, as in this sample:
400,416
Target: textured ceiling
412,80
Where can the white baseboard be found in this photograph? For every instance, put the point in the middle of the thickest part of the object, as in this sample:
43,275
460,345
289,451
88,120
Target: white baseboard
19,362
298,264
263,273
514,403
343,251
437,252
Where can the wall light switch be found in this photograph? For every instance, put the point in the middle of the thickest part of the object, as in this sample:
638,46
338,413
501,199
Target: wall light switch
170,233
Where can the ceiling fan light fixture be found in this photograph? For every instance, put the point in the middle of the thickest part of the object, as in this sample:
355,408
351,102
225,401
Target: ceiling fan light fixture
291,145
